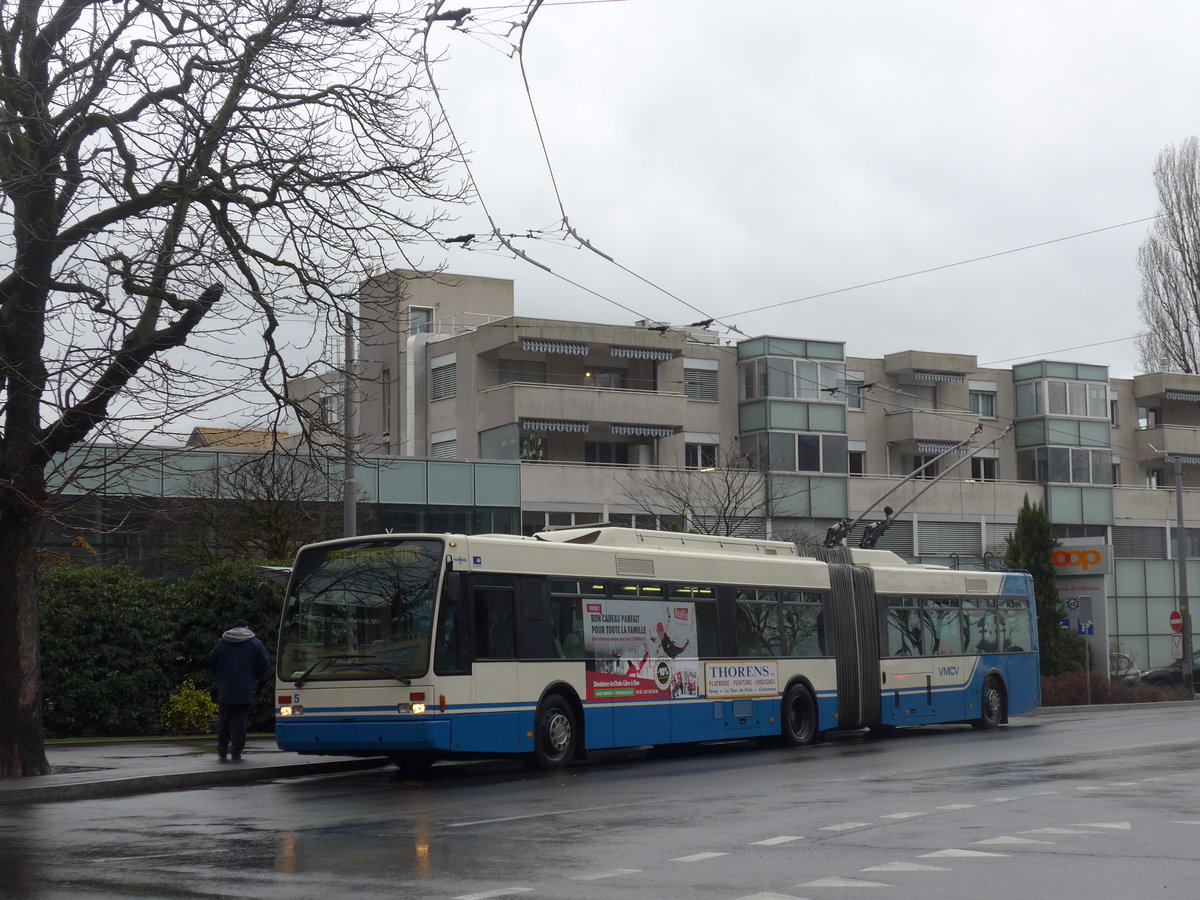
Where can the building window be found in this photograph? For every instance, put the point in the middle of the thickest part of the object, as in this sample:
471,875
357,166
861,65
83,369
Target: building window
521,371
442,382
700,384
1116,473
444,449
920,460
1154,478
858,462
606,453
792,379
983,469
604,378
700,456
420,320
1112,413
1149,417
983,404
854,395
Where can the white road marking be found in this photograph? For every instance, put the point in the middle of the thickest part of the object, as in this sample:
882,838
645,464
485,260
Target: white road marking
1118,826
839,881
1003,799
904,815
769,896
1006,839
1044,793
956,854
1121,783
1184,822
956,806
771,842
846,826
542,815
611,873
1090,787
499,892
905,867
697,857
1057,831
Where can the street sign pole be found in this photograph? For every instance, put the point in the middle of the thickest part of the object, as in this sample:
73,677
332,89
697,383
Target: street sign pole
1181,554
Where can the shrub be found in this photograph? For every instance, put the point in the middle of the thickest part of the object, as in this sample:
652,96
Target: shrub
189,709
108,650
1145,693
1071,689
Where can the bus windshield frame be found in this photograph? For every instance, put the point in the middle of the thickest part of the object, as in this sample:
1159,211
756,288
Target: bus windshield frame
361,610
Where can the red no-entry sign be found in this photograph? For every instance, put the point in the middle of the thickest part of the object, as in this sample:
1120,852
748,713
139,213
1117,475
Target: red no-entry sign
1176,621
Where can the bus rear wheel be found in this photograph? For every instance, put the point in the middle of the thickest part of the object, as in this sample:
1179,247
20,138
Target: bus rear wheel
799,715
555,734
991,711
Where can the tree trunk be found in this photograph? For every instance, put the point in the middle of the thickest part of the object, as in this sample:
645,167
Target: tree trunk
21,749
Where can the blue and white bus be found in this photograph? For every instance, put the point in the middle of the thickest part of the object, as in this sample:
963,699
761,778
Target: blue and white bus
423,646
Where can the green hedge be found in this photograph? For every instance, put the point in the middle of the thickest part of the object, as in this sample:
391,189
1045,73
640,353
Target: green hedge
116,644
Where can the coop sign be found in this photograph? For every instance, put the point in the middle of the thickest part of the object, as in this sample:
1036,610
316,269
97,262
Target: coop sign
1082,560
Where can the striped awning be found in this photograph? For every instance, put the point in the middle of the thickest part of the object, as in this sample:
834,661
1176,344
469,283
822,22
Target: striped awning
654,431
654,353
940,446
1188,460
537,345
555,425
1189,396
926,375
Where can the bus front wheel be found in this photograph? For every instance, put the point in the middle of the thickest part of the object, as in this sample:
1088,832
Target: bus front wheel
799,716
991,712
555,734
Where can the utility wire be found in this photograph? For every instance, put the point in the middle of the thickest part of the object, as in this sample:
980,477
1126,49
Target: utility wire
961,262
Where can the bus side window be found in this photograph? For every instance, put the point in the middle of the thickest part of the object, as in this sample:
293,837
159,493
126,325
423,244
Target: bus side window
494,623
453,645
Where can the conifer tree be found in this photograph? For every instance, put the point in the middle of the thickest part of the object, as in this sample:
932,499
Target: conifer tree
1030,547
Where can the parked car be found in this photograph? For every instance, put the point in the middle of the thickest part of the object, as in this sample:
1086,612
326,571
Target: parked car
1171,675
1122,668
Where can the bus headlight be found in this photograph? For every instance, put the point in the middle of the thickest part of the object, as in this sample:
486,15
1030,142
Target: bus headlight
410,709
288,711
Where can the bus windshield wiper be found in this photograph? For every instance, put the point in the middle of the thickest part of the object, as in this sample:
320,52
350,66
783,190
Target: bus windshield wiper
324,661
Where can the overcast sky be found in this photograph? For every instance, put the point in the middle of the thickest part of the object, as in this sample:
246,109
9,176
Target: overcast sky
745,155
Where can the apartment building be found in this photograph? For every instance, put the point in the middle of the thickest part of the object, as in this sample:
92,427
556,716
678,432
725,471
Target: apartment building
613,422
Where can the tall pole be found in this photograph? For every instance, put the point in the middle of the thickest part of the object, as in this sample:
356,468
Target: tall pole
1181,556
349,513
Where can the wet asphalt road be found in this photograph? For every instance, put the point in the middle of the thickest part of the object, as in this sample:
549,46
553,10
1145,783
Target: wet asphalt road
1104,804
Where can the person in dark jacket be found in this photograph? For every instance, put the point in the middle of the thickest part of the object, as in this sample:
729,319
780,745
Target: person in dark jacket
240,661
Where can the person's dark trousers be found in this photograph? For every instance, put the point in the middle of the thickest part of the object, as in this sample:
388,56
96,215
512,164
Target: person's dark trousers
231,731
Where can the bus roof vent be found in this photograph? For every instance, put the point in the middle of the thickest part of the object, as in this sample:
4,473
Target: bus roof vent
633,565
977,585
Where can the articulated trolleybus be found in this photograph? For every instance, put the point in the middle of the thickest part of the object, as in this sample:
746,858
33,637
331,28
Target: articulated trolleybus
422,646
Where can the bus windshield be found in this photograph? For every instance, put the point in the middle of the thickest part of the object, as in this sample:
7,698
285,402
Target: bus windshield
362,610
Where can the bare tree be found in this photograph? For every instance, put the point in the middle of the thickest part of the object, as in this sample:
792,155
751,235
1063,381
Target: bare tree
258,508
181,172
1169,261
730,498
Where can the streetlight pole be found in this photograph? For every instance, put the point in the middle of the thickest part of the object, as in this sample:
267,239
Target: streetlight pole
1181,556
349,510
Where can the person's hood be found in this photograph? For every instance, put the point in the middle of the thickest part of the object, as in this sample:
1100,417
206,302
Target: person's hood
237,635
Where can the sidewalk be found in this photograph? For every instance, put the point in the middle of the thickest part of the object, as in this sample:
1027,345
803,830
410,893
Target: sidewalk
86,771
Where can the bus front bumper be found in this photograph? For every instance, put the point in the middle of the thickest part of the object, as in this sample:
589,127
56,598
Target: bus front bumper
380,737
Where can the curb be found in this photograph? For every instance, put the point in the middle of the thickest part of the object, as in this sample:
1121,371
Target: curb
1083,709
40,792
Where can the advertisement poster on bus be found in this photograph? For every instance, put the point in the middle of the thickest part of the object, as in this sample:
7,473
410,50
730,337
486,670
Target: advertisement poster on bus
643,650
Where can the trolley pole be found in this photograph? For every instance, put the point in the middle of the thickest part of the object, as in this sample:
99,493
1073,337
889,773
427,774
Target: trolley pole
1181,557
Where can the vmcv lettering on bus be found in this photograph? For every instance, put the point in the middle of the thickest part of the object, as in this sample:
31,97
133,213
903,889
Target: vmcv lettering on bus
1085,559
949,670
